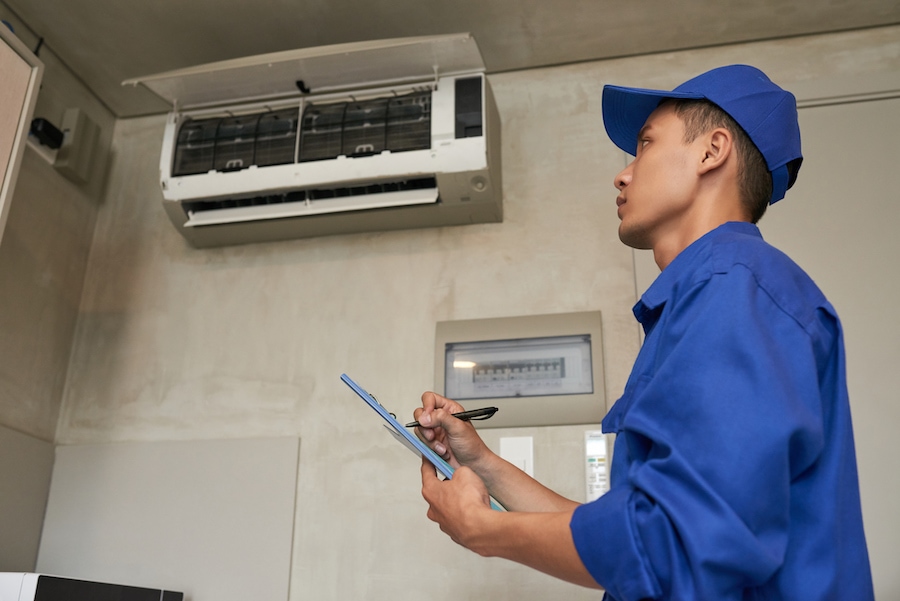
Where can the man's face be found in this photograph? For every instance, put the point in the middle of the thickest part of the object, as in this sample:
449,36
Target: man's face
657,187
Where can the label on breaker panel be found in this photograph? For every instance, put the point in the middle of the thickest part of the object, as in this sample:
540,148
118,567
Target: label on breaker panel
596,467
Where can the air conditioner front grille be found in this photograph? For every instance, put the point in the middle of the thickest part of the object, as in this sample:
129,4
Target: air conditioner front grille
324,131
365,128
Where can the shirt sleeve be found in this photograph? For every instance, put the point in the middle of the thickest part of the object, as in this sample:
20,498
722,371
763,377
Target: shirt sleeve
713,432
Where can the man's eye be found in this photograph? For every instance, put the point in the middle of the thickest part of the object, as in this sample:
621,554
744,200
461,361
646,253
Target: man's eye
643,142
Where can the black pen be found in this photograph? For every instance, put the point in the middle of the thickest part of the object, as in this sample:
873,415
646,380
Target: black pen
482,413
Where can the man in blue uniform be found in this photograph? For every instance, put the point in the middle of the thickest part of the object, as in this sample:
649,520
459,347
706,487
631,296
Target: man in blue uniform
734,471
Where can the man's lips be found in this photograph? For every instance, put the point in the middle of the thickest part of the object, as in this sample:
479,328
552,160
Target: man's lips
619,201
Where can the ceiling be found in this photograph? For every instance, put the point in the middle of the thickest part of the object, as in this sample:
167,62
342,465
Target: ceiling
105,42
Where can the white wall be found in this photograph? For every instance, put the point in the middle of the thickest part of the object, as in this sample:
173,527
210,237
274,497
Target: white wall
179,344
212,519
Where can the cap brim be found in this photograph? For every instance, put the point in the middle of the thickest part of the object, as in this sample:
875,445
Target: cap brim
625,110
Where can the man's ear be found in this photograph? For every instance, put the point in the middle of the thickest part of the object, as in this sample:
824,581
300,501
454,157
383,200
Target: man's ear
718,146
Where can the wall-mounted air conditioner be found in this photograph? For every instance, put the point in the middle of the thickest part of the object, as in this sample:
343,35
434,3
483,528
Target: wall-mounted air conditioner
359,137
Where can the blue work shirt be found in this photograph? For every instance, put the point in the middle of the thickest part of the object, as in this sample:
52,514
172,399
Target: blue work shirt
734,471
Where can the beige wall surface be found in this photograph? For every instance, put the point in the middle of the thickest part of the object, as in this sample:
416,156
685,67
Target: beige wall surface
43,257
174,343
25,469
16,77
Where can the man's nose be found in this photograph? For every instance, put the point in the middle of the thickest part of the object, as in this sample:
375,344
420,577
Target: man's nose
623,178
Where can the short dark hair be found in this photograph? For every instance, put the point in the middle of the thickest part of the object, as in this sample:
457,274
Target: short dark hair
754,179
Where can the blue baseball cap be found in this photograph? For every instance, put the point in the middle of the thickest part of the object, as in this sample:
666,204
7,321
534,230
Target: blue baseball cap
767,113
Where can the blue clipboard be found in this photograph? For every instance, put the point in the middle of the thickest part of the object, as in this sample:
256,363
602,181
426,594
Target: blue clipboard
405,436
396,428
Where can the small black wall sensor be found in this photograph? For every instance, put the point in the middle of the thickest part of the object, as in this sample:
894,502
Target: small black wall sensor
46,133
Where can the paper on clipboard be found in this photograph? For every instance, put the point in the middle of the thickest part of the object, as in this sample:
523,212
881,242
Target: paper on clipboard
403,435
401,440
393,426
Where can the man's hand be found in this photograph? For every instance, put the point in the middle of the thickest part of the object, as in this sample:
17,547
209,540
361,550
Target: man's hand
456,505
453,439
458,443
535,532
543,541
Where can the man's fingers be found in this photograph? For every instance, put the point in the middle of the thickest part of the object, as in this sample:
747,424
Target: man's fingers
428,471
432,402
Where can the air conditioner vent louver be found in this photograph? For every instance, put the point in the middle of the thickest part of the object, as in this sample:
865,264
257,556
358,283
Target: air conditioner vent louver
423,183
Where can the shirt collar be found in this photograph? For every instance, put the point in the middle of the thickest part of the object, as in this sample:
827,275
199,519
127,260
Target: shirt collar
661,290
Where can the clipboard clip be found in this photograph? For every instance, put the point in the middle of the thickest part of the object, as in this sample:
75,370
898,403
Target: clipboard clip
375,398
